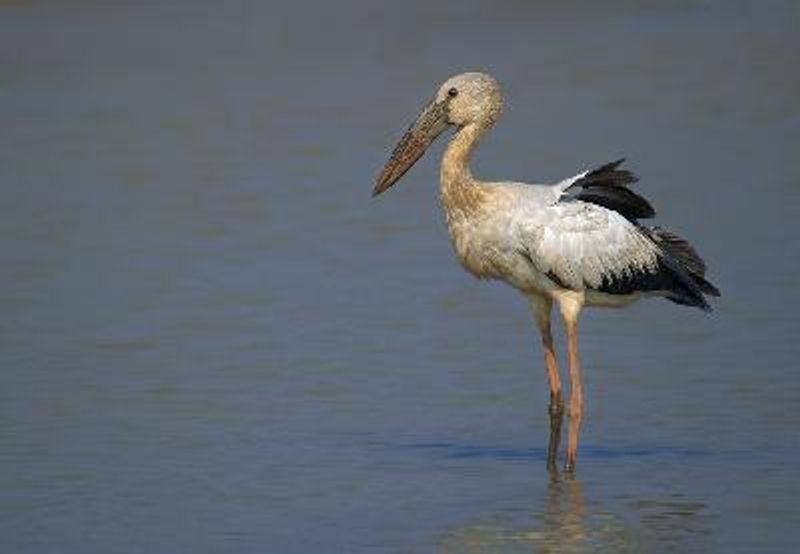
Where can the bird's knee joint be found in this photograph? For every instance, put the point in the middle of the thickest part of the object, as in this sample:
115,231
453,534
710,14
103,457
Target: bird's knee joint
556,404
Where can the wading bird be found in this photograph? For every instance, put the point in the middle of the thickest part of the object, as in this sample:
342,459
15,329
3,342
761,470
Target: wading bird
576,243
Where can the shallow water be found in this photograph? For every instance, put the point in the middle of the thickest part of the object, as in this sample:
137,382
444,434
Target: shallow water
213,339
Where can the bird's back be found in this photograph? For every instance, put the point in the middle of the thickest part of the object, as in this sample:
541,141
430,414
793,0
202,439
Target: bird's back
580,234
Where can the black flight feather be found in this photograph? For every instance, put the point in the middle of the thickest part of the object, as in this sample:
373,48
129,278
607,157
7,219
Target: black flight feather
607,186
682,253
679,273
678,248
668,278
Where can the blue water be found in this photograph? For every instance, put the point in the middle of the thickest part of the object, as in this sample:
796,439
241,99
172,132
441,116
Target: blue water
214,340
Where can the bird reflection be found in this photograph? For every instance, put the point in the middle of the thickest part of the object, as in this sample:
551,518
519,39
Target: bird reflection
561,526
565,524
563,519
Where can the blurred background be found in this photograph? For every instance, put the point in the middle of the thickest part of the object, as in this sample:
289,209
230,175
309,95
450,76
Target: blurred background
213,340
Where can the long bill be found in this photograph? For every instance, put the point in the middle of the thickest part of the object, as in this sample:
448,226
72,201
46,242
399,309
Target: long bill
429,124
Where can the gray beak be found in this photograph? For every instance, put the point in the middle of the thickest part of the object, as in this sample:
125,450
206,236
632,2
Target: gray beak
429,124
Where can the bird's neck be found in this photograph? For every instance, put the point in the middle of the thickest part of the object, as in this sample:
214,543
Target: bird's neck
460,192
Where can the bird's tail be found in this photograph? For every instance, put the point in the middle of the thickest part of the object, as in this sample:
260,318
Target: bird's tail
684,259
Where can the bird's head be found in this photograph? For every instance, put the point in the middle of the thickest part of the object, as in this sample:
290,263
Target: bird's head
462,100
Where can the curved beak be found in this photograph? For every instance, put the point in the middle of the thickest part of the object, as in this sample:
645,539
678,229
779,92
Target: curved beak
429,124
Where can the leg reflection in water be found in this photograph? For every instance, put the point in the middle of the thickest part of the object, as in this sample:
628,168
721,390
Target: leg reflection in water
560,525
564,516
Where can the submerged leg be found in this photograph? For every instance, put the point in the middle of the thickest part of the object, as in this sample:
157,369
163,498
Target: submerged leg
570,306
554,440
541,307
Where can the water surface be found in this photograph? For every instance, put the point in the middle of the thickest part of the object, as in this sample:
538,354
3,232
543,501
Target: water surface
214,340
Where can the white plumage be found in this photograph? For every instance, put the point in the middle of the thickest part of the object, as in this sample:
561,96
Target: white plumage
581,243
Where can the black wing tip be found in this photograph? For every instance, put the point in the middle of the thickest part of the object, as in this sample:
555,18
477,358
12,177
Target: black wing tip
609,191
670,279
609,175
706,287
692,302
688,288
610,165
607,186
682,253
618,199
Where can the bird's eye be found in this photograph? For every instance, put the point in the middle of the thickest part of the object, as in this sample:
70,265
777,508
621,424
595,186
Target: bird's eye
452,93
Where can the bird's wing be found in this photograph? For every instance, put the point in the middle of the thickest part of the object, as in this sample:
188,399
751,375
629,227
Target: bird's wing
581,245
586,237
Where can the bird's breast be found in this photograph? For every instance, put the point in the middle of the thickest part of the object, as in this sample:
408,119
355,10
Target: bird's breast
481,224
486,245
480,246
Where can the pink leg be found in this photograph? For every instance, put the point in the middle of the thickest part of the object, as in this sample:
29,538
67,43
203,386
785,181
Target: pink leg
575,394
541,307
